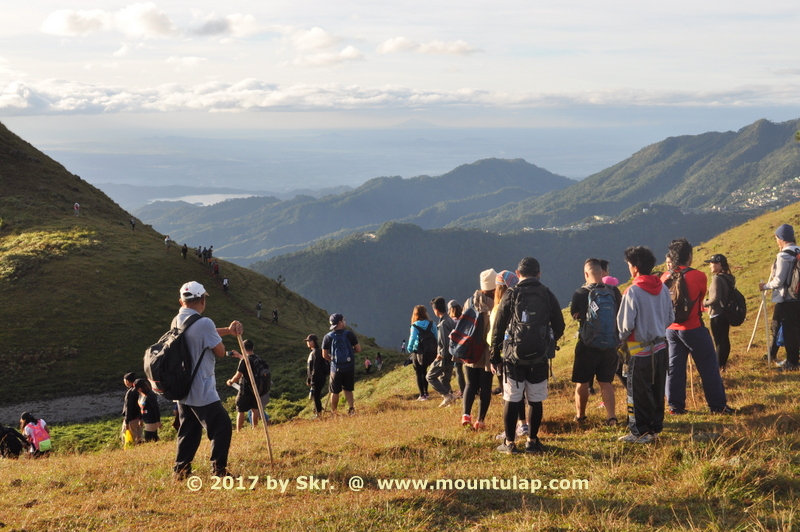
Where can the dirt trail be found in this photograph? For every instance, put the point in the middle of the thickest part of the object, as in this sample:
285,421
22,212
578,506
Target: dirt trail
66,409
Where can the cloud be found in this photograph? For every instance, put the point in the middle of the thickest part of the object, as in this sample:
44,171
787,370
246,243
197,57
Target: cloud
50,97
447,48
236,25
68,23
185,62
314,39
404,44
328,59
144,21
399,44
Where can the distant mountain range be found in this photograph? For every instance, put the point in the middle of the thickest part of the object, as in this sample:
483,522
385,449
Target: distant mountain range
243,230
699,171
710,171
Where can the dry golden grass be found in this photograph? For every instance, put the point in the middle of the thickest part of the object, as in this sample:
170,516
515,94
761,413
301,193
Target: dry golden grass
747,478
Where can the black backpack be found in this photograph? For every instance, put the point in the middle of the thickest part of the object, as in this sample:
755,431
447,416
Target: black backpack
426,345
792,292
168,363
528,336
735,310
679,293
599,327
262,374
11,442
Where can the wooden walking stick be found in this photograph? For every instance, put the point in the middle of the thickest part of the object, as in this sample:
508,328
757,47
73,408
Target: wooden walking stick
755,325
246,359
690,369
766,329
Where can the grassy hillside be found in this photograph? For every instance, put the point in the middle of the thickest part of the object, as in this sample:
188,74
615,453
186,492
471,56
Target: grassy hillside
263,227
84,296
379,277
706,472
687,171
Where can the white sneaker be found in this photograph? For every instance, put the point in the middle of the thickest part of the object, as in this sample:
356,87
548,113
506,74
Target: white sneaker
522,430
632,438
447,401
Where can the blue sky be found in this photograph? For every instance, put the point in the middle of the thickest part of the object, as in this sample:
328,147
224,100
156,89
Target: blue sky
90,68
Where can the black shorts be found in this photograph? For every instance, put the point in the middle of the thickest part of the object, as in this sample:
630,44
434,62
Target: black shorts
246,401
343,380
590,362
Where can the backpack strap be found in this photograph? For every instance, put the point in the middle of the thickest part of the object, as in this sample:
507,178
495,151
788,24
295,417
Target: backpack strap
191,320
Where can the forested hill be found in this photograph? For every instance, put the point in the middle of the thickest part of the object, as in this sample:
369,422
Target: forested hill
83,296
262,227
375,279
699,171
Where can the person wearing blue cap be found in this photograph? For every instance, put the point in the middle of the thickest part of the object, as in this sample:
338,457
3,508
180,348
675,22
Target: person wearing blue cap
340,347
787,305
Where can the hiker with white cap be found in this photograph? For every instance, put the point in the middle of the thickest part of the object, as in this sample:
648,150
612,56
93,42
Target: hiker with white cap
202,408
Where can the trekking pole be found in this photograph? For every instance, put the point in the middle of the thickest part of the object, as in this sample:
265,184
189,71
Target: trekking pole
691,381
246,358
766,329
755,325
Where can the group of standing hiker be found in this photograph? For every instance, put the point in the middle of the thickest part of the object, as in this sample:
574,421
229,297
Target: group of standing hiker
644,335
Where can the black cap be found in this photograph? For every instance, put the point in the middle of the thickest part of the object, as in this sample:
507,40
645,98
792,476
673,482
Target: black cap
717,258
335,319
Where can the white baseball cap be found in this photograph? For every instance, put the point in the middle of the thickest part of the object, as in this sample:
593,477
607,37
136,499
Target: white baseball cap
192,290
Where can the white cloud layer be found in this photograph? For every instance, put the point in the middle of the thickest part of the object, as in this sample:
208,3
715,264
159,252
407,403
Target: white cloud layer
404,44
65,97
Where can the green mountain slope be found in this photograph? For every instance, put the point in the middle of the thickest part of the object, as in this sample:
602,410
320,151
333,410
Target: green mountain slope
700,171
376,278
262,227
82,297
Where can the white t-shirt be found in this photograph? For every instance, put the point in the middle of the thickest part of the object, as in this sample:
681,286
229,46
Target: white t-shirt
202,335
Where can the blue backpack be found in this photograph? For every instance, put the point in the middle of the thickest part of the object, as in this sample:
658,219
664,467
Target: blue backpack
343,357
599,328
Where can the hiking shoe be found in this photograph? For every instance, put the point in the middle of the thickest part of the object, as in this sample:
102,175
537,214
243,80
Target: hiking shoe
508,448
534,446
422,398
611,422
497,391
726,411
633,438
466,420
581,419
677,411
788,366
182,474
457,394
781,363
447,401
351,412
522,430
479,425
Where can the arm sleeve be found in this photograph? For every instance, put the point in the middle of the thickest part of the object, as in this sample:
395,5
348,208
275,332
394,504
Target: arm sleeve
502,317
411,346
556,317
781,271
626,318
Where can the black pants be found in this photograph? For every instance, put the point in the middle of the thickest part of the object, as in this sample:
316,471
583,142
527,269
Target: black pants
214,418
647,376
317,387
478,379
788,315
422,376
720,330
